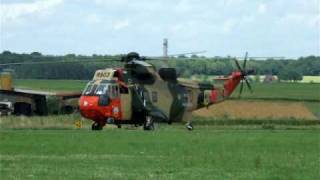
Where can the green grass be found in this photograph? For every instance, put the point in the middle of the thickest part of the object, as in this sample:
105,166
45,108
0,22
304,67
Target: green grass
68,122
314,107
43,122
51,85
171,153
282,91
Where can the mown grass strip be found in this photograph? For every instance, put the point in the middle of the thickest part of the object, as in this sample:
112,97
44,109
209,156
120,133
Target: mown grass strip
290,99
295,122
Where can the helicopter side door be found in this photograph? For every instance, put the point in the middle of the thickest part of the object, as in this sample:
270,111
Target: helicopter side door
125,101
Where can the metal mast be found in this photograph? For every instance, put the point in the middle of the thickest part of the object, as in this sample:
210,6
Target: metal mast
165,51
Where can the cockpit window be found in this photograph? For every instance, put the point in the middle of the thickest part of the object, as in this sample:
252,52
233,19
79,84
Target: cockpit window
89,90
102,89
110,90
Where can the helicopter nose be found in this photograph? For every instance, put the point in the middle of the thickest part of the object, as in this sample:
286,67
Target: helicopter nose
88,102
88,106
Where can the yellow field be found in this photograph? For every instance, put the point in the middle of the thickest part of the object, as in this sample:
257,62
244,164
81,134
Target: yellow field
238,109
311,79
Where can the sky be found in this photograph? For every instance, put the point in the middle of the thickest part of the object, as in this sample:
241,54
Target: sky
289,28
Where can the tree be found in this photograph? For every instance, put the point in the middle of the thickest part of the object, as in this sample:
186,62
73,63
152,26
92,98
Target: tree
36,54
290,75
6,53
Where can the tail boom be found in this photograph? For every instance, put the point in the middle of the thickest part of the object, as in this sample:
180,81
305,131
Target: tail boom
217,95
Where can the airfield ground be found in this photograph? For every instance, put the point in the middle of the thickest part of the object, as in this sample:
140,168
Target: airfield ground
170,153
219,148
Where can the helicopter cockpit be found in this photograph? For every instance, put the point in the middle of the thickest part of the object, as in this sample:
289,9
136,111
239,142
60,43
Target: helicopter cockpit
110,89
106,91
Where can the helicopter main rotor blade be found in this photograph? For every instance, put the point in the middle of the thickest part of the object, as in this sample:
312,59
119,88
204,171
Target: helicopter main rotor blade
261,57
188,53
57,62
150,58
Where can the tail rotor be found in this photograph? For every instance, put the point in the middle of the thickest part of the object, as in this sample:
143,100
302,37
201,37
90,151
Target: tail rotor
244,74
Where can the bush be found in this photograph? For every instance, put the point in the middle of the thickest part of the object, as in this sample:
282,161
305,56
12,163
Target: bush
53,104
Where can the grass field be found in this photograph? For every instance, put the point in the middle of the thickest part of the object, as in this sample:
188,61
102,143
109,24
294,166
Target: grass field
167,154
282,91
51,85
286,91
273,91
223,148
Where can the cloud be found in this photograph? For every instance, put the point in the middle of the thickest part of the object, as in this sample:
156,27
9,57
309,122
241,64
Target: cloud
315,22
111,2
189,24
183,6
262,8
118,25
14,12
228,25
308,20
93,19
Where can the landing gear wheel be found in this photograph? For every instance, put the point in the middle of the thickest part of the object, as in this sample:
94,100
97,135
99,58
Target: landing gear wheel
148,124
96,126
189,126
119,126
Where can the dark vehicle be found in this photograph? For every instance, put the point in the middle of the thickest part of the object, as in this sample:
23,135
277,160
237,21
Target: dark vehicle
6,108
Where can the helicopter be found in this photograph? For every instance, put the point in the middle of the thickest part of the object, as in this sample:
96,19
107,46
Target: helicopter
140,94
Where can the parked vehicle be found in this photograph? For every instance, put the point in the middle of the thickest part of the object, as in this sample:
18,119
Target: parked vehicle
6,108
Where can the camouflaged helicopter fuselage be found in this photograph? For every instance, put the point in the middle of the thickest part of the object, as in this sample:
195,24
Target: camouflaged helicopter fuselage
172,99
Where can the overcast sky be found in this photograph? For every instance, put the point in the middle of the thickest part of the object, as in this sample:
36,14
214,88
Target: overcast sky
288,28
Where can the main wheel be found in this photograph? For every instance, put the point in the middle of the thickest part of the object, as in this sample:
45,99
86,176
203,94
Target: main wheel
189,126
148,124
96,126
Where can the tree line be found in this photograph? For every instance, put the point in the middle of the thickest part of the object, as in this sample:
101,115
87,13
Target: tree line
286,69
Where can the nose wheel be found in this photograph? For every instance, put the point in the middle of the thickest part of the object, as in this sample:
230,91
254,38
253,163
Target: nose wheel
96,126
148,124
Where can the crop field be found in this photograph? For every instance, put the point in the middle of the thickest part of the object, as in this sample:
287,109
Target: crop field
314,79
171,153
242,109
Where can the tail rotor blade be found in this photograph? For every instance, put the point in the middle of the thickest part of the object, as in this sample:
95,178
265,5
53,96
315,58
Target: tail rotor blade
245,61
238,65
248,84
241,87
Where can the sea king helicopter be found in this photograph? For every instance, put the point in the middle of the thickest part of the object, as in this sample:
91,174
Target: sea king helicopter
139,94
